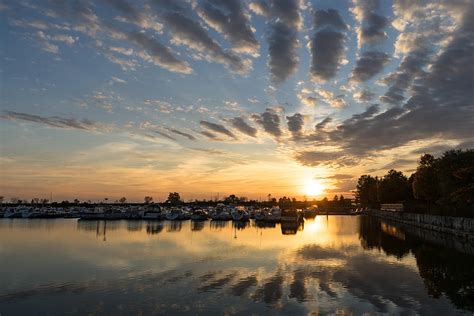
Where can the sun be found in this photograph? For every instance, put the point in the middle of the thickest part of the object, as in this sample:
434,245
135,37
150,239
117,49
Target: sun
313,187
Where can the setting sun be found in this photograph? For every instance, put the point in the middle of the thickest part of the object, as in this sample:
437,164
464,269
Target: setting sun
313,187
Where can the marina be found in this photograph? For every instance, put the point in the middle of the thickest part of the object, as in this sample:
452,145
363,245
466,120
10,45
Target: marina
156,212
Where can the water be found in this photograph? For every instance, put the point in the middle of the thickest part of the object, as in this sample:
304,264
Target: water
333,265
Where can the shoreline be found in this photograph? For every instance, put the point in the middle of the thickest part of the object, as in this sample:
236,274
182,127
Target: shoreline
462,227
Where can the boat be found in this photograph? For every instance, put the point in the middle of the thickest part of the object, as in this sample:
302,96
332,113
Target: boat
13,213
260,214
31,213
173,214
199,215
291,216
310,212
273,216
225,216
239,215
153,215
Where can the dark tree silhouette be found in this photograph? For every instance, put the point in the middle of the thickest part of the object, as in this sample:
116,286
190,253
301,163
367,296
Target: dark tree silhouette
393,187
367,191
174,198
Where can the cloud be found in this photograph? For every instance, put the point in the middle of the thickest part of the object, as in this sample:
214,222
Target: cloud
338,102
364,95
440,105
242,126
283,39
56,121
216,128
134,16
328,18
270,121
188,136
165,135
45,43
283,52
295,125
228,17
323,123
371,24
369,65
260,7
409,69
187,32
306,98
118,80
340,176
288,12
209,135
318,158
122,50
64,38
158,53
327,45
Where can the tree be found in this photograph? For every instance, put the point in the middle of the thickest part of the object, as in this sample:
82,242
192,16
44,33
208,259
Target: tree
148,199
1,199
231,199
284,202
367,191
174,198
76,201
393,187
35,201
455,171
123,200
425,179
14,200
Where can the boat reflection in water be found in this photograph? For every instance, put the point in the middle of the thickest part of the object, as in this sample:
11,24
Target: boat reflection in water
153,228
326,265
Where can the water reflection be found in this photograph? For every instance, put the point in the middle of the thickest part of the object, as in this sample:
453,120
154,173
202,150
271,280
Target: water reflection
327,265
154,227
445,271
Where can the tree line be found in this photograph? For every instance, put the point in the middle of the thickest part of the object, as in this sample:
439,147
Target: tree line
440,185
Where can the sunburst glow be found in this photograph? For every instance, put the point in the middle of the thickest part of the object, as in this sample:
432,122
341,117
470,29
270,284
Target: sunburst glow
313,187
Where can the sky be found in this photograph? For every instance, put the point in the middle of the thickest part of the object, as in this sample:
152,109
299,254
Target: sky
112,98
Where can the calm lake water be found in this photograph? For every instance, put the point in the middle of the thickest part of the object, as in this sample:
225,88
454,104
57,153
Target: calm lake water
333,265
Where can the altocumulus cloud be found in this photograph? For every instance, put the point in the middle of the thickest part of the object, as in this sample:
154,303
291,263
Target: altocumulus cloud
327,46
228,18
270,121
283,39
58,122
242,126
188,32
177,132
216,128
